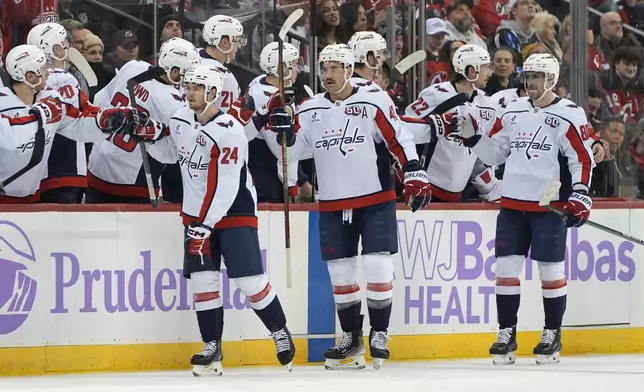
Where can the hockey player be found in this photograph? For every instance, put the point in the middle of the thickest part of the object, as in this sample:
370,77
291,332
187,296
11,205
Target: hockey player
531,136
351,132
219,212
65,180
450,164
27,66
265,153
369,52
115,172
222,36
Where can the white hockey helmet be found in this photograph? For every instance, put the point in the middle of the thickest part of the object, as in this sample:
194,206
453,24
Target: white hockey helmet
546,64
269,58
339,53
24,59
470,56
207,76
364,42
46,36
178,53
219,26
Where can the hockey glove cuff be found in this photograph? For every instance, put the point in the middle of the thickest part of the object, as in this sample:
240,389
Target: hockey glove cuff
577,209
417,191
243,109
441,123
467,129
151,132
49,110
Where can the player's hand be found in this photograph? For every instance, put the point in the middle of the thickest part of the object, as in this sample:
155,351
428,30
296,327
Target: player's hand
243,109
275,102
48,110
417,190
281,122
598,152
464,124
150,132
441,123
577,209
113,119
198,237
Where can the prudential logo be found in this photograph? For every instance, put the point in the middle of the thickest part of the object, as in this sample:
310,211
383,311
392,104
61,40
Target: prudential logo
17,289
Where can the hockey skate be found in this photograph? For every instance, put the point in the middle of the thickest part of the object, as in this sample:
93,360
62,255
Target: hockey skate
285,347
503,351
378,348
351,346
547,351
208,362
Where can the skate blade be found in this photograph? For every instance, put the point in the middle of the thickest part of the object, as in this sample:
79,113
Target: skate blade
214,369
289,366
377,363
507,359
354,363
547,359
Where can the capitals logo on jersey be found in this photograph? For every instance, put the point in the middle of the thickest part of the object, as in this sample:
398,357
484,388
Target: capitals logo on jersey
532,143
344,141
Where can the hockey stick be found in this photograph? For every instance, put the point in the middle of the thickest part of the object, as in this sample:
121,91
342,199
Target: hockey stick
549,195
290,21
36,157
308,91
76,58
404,65
150,74
443,107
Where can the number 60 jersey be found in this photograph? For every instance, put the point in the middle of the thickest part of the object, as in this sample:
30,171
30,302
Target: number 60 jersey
115,164
218,190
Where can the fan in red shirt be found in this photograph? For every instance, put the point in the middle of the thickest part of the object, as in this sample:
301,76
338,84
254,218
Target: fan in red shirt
19,16
437,70
489,14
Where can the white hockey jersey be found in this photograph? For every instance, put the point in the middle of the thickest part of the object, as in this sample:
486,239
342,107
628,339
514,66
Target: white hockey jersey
231,90
115,163
359,81
352,142
218,190
502,98
16,152
450,163
261,91
538,146
67,165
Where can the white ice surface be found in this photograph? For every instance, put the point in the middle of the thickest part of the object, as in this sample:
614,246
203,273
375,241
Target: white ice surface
623,373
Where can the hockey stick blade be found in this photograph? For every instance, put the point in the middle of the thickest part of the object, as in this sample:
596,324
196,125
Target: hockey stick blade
309,91
76,58
405,64
549,195
290,22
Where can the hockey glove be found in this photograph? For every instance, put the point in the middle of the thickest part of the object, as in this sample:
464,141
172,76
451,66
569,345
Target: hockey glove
417,190
466,127
441,123
281,122
112,119
49,110
198,238
275,101
577,210
243,109
150,132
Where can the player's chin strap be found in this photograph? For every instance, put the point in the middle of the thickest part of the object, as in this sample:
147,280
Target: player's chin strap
546,89
64,58
208,103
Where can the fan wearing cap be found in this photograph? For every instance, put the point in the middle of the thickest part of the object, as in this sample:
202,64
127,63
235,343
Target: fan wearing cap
451,166
460,23
124,48
516,32
438,70
369,53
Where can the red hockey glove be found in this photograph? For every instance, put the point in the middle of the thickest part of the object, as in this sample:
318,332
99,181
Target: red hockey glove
417,190
49,110
115,119
243,109
577,209
275,102
198,240
150,132
442,123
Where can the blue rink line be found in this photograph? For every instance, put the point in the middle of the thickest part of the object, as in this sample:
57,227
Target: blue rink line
321,308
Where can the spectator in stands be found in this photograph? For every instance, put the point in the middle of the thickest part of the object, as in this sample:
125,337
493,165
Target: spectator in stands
168,27
125,47
95,48
460,22
594,107
328,17
489,14
285,9
437,68
531,49
5,80
605,175
503,66
382,77
380,11
450,48
516,32
612,36
381,29
623,89
78,33
353,18
632,13
544,25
